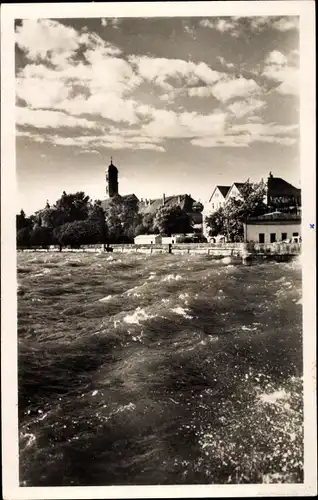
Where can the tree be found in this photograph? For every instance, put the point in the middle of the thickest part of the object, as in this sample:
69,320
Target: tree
41,236
229,219
23,237
96,216
73,206
146,225
216,222
122,219
22,221
77,233
172,219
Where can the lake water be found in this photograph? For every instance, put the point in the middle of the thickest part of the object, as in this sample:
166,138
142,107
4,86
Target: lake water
158,370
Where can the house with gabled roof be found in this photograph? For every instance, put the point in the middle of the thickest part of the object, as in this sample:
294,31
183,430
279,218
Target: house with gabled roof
235,191
217,199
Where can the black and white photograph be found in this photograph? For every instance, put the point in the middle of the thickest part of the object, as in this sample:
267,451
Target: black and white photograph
161,225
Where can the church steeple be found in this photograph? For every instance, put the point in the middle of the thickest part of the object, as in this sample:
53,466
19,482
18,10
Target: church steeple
111,180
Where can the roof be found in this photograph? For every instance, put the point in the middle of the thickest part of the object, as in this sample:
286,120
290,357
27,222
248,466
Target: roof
126,198
184,201
275,216
239,185
223,189
279,187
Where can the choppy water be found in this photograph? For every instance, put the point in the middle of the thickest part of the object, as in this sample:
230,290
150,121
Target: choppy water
158,370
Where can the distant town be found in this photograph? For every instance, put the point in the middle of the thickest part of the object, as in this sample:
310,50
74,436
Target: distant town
264,212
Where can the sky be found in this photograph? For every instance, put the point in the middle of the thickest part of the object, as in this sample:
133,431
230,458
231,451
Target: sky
181,104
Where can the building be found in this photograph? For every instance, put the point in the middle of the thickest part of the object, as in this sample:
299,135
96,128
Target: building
111,180
148,239
282,196
273,227
235,191
150,206
218,197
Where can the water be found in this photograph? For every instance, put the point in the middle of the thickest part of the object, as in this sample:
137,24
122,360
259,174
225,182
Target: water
158,370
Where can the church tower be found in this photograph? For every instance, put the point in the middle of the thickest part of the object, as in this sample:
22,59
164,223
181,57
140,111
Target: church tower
111,180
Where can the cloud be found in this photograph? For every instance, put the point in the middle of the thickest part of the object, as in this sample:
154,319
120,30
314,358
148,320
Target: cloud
184,73
169,124
94,87
246,107
281,68
243,135
235,26
44,38
225,63
240,141
287,24
229,141
276,58
49,119
223,25
92,143
256,129
236,87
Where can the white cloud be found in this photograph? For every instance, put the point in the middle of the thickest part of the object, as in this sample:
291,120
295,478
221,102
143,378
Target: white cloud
277,58
270,129
243,135
170,124
238,87
49,119
185,73
225,25
225,63
228,141
106,105
43,91
278,68
287,24
200,92
103,21
246,107
41,38
91,143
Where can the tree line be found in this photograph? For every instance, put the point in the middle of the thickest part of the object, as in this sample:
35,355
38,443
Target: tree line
74,220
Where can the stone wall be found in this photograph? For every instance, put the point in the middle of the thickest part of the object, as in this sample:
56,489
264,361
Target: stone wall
214,250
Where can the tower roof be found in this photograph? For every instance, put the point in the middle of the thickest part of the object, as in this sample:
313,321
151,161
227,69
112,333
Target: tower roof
111,165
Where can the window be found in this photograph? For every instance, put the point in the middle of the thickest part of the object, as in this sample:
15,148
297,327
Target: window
261,238
284,236
272,237
295,234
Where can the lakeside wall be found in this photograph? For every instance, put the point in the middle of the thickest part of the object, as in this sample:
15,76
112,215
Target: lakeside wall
216,250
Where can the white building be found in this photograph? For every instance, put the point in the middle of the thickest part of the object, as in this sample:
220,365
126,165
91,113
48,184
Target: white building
148,239
217,198
273,227
234,191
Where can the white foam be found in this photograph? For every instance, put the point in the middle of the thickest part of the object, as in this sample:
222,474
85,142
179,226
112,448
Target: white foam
181,311
105,299
172,277
273,397
129,407
138,315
